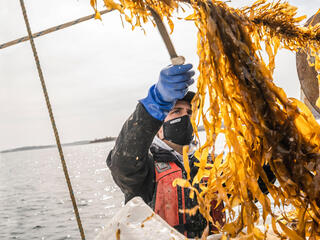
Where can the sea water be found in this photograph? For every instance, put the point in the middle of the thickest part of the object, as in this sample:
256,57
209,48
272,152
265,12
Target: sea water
34,198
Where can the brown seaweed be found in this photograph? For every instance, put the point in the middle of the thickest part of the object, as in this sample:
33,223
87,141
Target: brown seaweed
261,125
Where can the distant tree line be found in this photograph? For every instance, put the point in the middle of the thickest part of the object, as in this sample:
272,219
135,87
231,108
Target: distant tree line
106,139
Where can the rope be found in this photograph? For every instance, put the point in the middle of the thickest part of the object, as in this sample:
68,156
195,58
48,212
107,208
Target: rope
52,29
65,170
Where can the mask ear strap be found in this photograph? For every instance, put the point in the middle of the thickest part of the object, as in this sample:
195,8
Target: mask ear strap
163,138
159,137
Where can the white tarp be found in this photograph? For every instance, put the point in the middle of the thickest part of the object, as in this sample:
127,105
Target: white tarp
137,221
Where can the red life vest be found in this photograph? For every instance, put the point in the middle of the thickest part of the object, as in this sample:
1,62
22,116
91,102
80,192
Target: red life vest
169,199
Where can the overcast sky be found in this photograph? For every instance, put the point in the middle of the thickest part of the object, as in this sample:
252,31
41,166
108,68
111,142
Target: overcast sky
95,71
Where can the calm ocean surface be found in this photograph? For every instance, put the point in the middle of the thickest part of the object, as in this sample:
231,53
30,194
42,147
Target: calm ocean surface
34,199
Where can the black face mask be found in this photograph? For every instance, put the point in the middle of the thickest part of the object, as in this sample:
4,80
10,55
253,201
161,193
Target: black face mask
178,130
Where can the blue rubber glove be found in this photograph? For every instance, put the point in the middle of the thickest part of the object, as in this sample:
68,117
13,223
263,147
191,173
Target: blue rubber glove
172,85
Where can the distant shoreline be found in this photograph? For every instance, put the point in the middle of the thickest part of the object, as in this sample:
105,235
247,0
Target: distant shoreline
98,140
27,148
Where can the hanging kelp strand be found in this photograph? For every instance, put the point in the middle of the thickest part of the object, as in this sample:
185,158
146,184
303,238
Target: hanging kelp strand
261,125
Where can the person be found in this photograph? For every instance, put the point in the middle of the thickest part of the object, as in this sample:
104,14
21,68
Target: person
147,155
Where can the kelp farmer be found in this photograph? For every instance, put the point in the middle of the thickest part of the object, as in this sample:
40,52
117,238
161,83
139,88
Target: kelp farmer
147,156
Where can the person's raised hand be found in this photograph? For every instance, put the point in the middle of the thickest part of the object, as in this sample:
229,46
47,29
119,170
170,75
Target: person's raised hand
174,81
172,85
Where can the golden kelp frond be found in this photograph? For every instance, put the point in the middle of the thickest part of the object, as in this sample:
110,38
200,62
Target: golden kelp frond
261,125
278,24
281,30
136,11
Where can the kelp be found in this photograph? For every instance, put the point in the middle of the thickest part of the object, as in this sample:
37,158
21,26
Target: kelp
260,124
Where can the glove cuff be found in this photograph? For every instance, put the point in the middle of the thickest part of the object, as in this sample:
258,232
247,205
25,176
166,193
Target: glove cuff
155,106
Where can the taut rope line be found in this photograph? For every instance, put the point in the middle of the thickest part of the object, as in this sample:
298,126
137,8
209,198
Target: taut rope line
55,130
52,29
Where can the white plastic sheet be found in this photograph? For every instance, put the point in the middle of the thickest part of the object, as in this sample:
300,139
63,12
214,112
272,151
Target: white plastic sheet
137,221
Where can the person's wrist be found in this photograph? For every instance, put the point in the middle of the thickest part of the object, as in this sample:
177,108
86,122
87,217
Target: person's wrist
155,105
160,98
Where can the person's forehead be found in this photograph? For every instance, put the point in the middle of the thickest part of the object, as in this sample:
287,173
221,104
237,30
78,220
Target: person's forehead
182,104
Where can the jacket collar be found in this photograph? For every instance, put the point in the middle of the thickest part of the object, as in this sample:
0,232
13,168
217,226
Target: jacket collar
158,144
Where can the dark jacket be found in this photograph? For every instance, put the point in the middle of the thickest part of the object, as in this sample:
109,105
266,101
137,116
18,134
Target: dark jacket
132,163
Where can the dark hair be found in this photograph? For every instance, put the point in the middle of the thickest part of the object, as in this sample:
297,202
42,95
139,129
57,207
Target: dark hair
188,97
